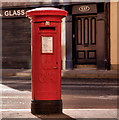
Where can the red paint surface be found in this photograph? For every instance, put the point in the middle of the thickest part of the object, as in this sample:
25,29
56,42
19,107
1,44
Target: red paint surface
46,81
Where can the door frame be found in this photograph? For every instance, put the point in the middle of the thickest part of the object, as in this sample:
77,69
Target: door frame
104,19
107,34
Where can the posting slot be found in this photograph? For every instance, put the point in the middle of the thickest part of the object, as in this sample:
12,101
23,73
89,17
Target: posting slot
47,28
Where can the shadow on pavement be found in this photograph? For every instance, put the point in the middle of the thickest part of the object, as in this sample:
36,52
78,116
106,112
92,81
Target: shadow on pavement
18,83
55,117
94,86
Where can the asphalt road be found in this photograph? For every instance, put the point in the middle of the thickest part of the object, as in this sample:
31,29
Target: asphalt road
76,93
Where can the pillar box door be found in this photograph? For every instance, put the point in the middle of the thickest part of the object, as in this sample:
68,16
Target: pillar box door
46,59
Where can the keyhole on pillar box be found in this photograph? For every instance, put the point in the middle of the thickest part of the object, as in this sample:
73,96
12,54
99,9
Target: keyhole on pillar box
56,62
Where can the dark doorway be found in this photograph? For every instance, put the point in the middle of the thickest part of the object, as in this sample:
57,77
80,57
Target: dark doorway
16,43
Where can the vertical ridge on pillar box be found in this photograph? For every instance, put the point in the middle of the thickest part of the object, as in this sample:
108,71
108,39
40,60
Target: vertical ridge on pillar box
46,59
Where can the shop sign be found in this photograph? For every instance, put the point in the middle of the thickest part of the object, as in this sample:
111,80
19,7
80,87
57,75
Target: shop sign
13,13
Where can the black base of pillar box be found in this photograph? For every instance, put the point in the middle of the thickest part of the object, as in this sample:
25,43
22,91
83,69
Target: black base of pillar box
46,107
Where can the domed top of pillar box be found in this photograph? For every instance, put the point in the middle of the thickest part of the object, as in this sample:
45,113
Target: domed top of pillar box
46,14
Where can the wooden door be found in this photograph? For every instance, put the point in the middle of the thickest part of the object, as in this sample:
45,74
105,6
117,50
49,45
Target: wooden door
85,39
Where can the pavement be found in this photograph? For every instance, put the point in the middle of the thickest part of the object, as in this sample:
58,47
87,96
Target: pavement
75,73
23,113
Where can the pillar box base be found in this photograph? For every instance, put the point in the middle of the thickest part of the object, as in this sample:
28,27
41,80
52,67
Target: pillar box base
46,107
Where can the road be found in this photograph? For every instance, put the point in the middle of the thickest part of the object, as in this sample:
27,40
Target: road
76,93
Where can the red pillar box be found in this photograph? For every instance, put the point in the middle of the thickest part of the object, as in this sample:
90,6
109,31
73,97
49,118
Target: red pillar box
46,59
